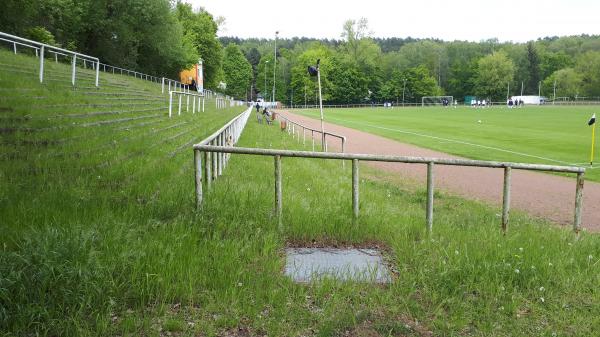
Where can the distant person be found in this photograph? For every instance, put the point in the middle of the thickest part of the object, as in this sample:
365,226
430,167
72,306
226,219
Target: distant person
267,115
510,103
258,116
193,85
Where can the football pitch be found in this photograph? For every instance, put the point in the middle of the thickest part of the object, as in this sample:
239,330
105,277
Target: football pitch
536,134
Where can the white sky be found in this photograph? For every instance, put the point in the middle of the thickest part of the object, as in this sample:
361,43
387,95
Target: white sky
507,20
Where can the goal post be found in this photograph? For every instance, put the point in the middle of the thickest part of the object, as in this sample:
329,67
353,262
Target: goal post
437,100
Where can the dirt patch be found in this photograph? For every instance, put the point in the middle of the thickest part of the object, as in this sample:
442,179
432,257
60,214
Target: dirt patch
386,326
541,195
236,332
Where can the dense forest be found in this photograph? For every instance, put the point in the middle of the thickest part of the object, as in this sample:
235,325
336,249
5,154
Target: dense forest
161,37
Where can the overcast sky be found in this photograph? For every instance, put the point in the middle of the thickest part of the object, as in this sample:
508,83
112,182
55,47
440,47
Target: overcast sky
507,20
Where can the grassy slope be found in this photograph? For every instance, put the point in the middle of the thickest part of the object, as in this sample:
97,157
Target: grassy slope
118,249
558,133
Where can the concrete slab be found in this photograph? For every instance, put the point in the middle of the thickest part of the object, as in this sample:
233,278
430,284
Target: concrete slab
310,264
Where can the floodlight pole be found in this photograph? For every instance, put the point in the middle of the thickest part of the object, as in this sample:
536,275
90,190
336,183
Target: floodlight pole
265,92
274,65
321,107
554,98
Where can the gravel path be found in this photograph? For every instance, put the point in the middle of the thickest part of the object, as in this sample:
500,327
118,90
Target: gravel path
542,195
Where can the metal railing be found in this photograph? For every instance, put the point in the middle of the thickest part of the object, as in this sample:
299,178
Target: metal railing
42,48
218,150
215,162
195,98
39,48
291,129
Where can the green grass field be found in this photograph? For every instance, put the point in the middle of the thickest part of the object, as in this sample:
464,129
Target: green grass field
100,236
545,135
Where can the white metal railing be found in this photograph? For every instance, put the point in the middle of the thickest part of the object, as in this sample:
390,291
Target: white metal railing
215,163
290,127
209,150
194,96
42,48
85,59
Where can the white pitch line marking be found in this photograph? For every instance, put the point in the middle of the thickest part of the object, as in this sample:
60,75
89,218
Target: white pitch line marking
456,141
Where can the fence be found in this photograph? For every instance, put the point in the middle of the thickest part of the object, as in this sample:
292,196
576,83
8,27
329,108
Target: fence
42,48
215,162
212,150
195,98
291,129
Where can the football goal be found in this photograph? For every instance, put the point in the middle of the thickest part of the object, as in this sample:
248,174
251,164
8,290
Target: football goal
437,100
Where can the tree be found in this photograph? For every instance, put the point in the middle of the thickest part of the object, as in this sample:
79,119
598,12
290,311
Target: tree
533,67
588,65
568,83
415,82
361,53
200,30
494,72
253,56
348,83
237,72
302,83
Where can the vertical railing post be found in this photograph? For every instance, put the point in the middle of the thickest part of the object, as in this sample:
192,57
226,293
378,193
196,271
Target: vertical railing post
578,204
97,73
202,104
73,69
42,64
278,196
193,105
312,137
198,170
506,199
179,108
355,188
15,47
169,85
170,104
303,136
187,103
208,169
163,85
429,214
215,162
220,161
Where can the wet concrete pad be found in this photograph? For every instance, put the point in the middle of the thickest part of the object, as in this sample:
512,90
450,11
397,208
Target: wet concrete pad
310,264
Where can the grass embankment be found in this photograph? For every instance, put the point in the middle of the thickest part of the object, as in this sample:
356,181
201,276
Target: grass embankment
110,244
547,135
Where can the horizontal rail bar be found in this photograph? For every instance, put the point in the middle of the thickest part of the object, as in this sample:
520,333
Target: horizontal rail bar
186,93
311,129
218,132
387,158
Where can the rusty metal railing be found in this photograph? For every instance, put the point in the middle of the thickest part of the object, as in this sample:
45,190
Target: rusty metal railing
291,127
212,149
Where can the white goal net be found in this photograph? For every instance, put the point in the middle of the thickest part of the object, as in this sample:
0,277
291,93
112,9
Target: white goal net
437,100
